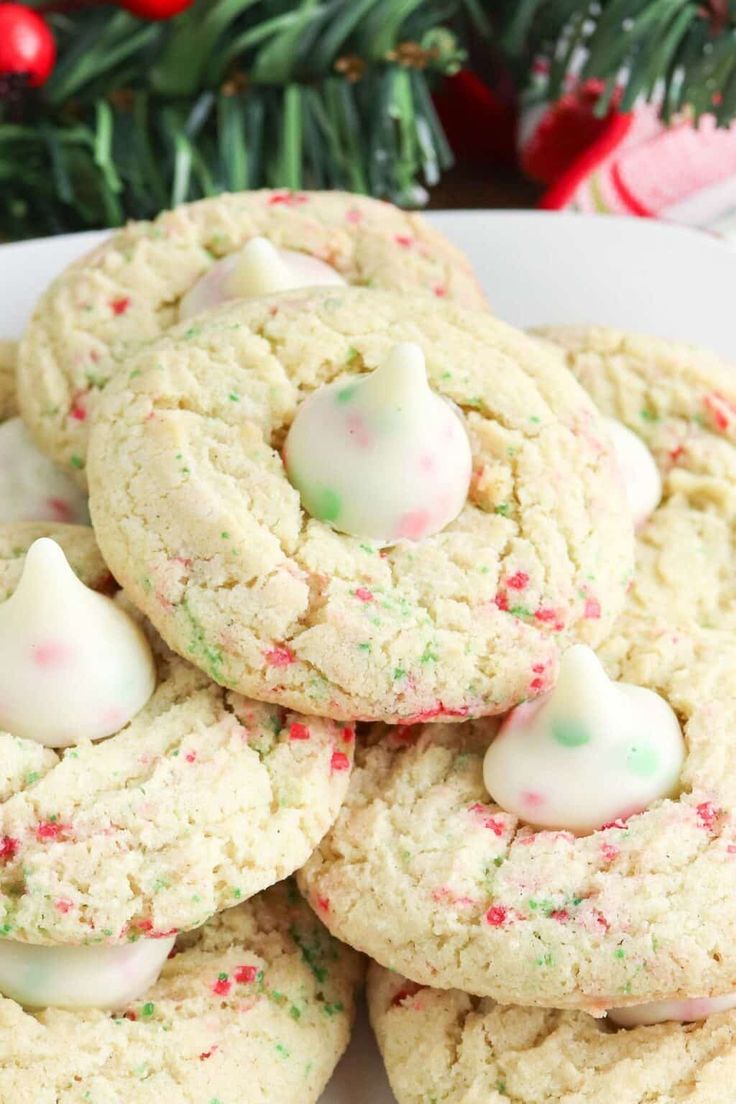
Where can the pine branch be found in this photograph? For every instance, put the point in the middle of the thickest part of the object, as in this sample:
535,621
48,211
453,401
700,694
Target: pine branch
677,53
231,94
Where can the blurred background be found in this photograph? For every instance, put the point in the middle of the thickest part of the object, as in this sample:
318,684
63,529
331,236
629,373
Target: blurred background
114,111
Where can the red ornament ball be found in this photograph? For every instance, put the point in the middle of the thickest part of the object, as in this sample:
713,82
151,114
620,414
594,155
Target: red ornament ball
27,45
155,9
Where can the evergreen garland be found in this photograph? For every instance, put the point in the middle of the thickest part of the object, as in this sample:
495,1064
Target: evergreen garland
237,94
231,94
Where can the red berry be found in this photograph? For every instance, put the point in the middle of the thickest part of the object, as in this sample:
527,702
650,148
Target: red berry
155,9
26,44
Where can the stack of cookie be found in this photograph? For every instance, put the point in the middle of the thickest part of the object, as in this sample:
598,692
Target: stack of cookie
335,491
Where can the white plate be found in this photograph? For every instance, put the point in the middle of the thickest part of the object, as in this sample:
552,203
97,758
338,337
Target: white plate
537,267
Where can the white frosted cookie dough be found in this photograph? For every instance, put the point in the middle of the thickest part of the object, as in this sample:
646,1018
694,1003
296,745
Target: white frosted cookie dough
256,1007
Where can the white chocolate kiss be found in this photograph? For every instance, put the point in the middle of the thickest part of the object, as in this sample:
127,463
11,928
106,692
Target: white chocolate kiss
687,1011
73,665
80,977
32,488
259,268
588,752
641,478
381,456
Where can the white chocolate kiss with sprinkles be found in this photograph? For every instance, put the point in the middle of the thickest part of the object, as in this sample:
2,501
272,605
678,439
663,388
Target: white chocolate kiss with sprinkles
75,666
80,977
639,471
32,487
587,753
259,268
381,457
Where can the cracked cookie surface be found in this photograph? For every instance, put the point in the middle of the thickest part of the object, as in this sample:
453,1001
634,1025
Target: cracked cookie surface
201,801
255,1007
445,1047
126,291
195,514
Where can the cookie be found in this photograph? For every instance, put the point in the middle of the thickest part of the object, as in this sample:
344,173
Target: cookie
254,1007
8,357
681,400
127,291
454,1049
202,800
425,874
195,514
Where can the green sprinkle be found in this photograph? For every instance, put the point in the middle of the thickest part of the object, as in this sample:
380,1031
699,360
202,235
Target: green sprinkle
31,778
327,505
295,1012
225,535
346,394
502,509
352,354
520,611
429,655
619,953
234,396
446,375
648,415
135,373
399,673
237,893
76,461
333,1009
148,1009
364,647
642,761
222,977
535,419
281,1049
570,733
363,547
193,331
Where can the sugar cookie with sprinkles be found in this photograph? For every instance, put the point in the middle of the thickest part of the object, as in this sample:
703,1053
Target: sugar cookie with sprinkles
129,289
680,399
255,1007
200,801
448,1047
195,513
424,873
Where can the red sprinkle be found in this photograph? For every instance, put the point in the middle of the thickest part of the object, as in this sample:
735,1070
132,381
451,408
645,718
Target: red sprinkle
677,453
49,829
440,291
348,735
545,615
61,510
120,306
497,916
562,915
77,410
707,815
364,594
609,852
518,580
299,732
403,239
496,826
280,656
144,925
502,601
208,1053
592,609
190,756
714,405
410,989
222,987
339,761
323,904
536,684
289,199
245,975
62,905
8,848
